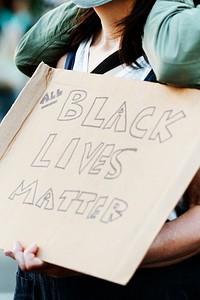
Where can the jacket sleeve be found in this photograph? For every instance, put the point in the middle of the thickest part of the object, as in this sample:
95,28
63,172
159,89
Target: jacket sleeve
46,40
172,42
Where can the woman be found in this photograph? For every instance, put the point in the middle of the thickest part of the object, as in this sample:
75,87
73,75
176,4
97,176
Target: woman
171,40
113,28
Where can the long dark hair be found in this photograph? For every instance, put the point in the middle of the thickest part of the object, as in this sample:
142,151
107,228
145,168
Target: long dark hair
87,23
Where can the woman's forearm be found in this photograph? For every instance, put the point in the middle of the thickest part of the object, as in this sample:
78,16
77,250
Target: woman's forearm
172,43
177,240
47,40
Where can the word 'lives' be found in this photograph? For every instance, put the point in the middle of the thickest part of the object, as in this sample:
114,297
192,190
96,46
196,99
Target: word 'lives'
93,160
81,203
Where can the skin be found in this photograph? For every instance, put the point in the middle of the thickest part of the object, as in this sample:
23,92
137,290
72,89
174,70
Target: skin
107,40
193,190
178,239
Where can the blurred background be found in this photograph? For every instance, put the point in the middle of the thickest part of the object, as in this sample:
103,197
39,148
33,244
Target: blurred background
16,17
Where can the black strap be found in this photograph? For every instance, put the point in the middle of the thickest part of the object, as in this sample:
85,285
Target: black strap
69,63
106,65
151,77
111,62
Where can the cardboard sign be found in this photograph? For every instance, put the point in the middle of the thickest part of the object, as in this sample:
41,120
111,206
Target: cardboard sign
91,167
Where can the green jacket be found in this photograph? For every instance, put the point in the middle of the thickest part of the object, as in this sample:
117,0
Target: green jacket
171,41
46,40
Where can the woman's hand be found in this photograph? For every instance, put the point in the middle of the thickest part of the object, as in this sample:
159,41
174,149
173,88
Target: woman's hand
29,262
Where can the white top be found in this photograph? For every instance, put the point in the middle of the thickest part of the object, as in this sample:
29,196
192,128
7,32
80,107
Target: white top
122,71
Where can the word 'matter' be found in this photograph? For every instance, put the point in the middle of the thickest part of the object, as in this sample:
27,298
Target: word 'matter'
80,203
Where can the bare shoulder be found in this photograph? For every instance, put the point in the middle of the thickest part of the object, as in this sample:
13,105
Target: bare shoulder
61,62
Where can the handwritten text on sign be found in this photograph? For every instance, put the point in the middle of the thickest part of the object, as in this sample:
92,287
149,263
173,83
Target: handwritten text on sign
103,159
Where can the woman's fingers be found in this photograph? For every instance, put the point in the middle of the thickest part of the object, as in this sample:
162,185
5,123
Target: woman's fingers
32,262
9,254
18,254
28,261
26,258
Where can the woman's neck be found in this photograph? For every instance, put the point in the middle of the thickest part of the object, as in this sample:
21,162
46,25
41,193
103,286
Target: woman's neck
107,40
110,15
102,46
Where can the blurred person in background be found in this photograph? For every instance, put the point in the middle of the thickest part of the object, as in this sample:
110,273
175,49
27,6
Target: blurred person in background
5,13
16,18
5,17
17,21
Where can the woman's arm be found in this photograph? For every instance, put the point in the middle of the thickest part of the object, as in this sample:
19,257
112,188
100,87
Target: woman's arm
172,42
46,40
177,240
180,238
193,190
